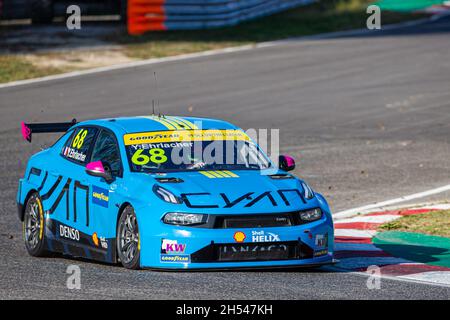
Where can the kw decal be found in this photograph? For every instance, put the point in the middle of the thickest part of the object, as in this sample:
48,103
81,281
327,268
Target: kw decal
172,246
100,196
219,174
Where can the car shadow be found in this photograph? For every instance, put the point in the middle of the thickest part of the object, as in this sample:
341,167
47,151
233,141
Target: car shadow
422,254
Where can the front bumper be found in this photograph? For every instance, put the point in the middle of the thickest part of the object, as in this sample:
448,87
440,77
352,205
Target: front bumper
198,248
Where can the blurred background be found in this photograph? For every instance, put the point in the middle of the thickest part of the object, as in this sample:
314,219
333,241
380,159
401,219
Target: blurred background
35,41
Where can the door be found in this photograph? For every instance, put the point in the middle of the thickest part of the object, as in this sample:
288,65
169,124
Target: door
103,196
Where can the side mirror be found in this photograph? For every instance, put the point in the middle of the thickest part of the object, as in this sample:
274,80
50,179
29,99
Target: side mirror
97,169
286,163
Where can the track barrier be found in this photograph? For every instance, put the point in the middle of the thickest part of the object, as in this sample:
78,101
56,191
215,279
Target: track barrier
157,15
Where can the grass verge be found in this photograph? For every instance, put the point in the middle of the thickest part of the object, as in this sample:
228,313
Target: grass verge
17,68
321,17
435,223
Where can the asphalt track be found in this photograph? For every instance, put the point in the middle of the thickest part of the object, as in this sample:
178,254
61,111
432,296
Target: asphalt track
367,117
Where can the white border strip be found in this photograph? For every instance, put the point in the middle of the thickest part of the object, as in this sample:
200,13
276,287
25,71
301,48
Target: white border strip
354,211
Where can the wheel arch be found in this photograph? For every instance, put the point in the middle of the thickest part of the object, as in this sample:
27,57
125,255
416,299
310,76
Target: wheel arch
119,212
21,207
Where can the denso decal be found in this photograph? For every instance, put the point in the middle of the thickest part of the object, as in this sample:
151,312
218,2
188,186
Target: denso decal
69,233
100,196
261,236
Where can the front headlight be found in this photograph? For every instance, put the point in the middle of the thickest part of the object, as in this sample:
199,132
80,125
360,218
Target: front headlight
166,195
310,215
308,193
185,219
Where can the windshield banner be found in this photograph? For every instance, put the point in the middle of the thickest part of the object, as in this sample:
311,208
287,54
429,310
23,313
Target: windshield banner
184,136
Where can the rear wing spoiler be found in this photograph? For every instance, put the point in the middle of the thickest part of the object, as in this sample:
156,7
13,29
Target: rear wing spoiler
29,128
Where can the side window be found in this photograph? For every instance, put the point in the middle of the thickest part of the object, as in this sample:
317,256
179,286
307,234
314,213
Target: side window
77,147
107,150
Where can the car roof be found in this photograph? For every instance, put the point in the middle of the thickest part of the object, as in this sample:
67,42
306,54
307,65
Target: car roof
158,123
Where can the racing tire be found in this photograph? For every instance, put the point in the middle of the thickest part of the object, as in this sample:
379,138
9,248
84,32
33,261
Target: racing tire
41,11
127,239
34,226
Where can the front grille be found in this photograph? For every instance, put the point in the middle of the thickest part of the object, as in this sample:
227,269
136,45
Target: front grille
263,251
263,220
259,221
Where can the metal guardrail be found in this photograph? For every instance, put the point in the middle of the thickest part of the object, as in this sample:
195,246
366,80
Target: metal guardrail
148,15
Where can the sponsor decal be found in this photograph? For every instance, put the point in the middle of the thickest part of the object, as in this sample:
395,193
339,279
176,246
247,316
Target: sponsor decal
171,251
180,258
74,154
320,253
261,236
104,243
239,236
172,246
95,239
246,200
99,241
321,240
100,196
183,136
69,233
253,248
219,174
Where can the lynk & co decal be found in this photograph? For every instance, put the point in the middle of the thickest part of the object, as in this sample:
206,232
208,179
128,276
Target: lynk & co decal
100,196
249,199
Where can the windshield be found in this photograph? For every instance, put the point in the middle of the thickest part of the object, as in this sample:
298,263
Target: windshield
193,150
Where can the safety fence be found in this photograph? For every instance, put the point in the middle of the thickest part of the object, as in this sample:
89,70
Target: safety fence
149,15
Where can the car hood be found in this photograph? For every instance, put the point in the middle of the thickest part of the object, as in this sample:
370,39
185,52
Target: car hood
244,191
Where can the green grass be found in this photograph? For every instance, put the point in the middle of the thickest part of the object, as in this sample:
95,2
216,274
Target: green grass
14,68
435,223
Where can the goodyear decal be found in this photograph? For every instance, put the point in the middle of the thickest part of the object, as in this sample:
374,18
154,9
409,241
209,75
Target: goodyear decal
100,196
219,174
174,123
175,258
183,136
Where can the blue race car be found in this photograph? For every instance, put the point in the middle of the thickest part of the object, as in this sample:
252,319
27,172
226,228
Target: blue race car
169,193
